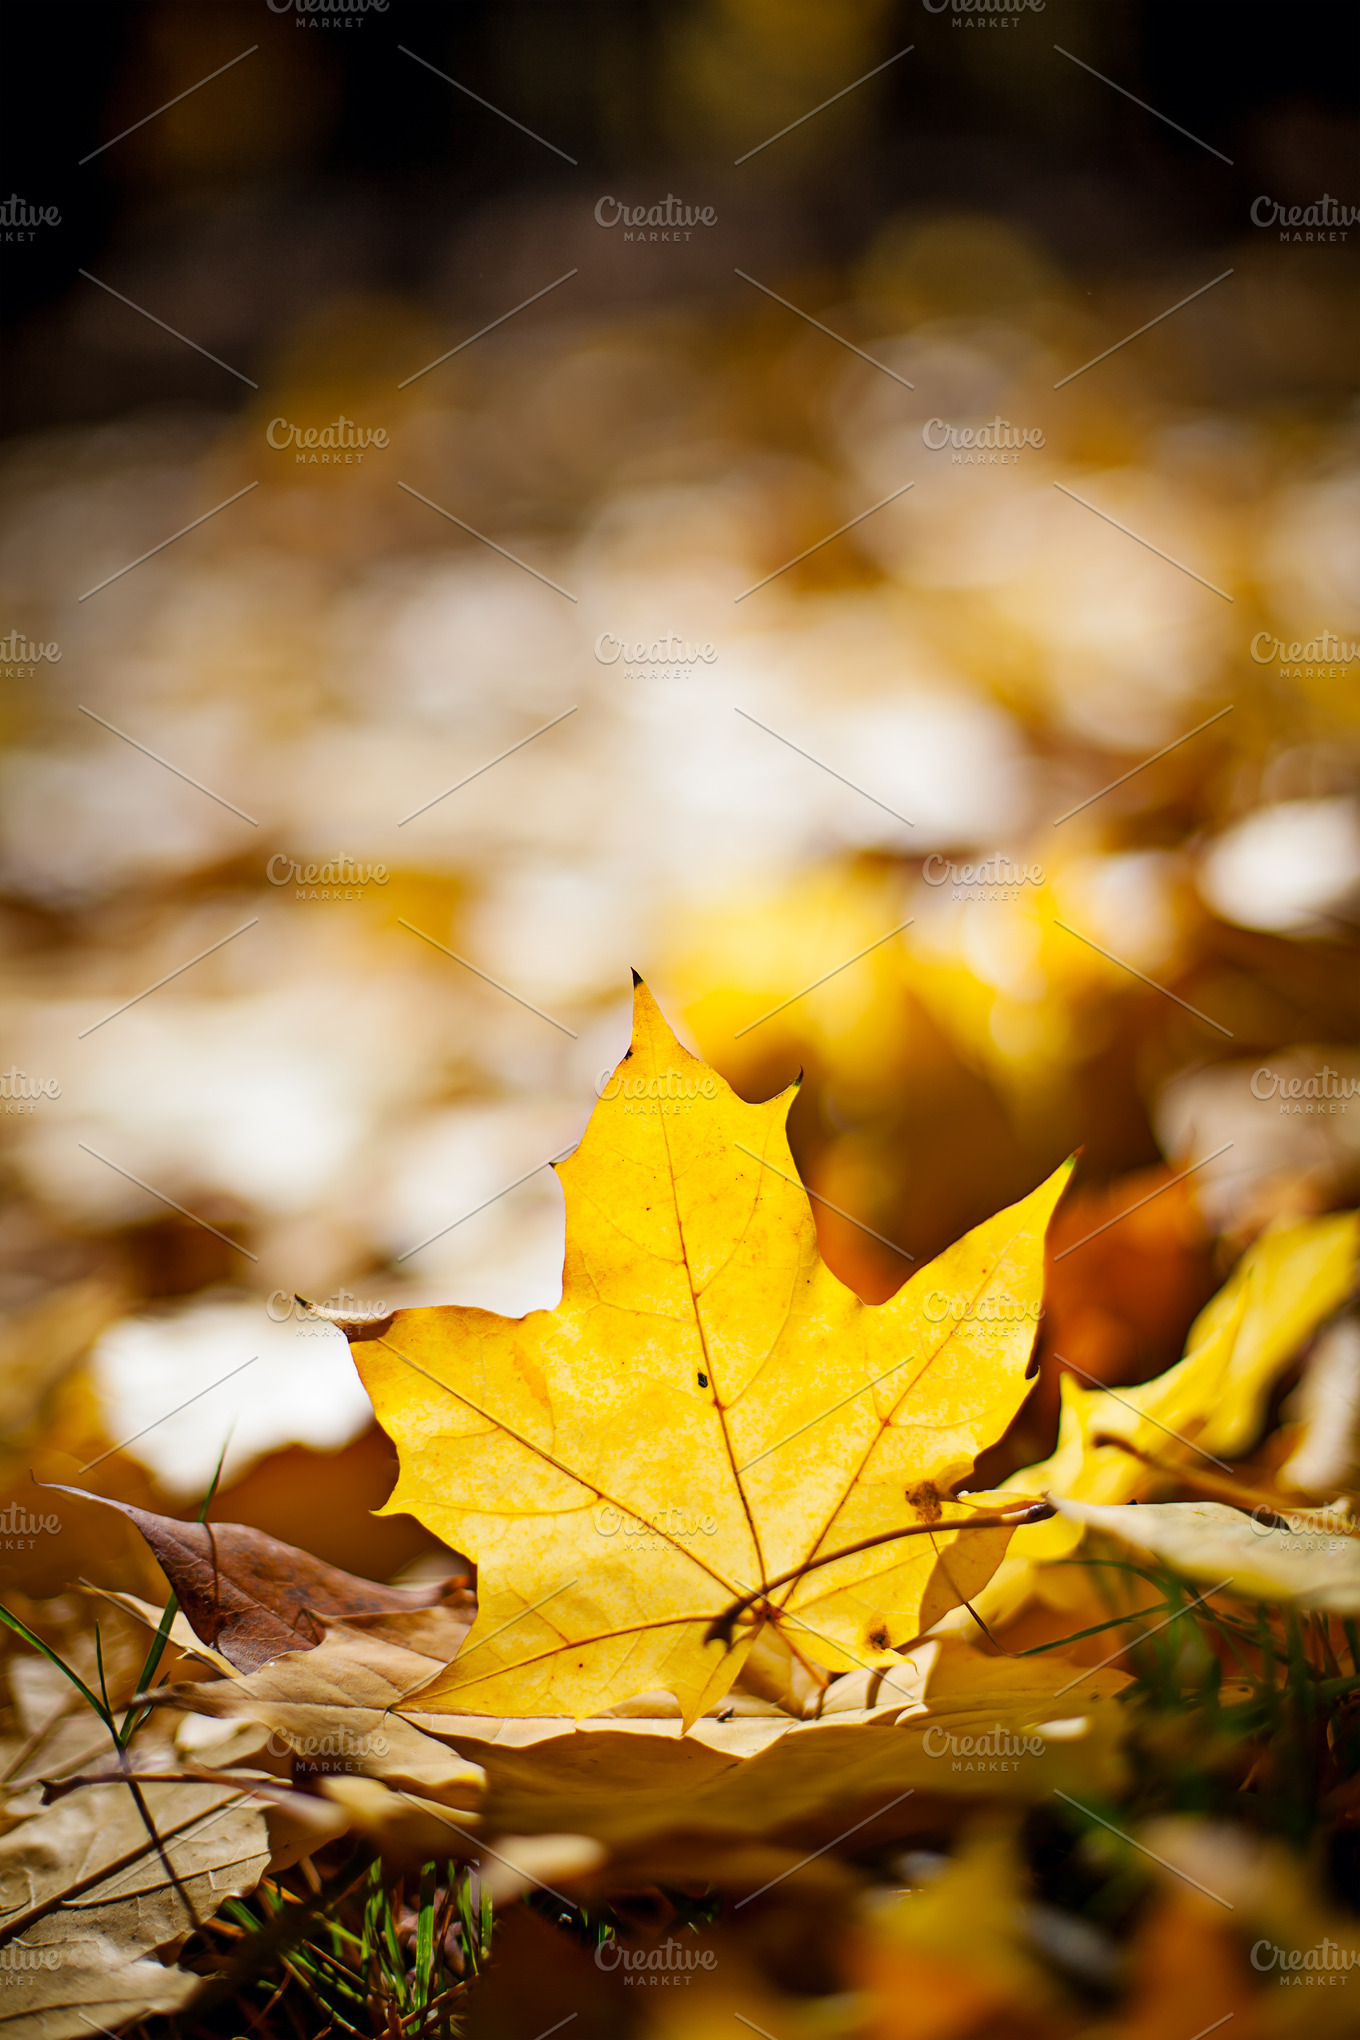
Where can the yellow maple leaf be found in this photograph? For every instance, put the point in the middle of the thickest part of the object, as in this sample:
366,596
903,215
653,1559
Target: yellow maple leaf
709,1418
1210,1404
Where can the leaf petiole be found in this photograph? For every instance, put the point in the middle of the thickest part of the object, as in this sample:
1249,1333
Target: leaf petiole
720,1629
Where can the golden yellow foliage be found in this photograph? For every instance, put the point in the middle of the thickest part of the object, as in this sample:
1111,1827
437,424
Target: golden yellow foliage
709,1418
1210,1404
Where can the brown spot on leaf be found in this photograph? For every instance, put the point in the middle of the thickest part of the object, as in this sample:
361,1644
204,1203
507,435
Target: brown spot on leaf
925,1499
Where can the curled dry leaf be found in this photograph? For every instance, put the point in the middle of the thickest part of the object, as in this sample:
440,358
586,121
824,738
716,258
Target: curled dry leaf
85,1896
711,1434
945,1720
182,1637
249,1595
402,1825
333,1708
1210,1406
1015,1728
1311,1559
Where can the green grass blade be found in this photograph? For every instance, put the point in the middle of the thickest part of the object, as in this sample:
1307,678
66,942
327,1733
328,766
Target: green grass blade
53,1657
162,1636
1036,1649
424,1962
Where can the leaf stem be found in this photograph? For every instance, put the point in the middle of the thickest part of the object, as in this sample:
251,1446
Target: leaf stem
720,1629
1236,1492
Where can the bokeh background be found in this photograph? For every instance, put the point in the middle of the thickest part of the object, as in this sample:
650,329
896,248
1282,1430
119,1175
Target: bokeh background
325,1088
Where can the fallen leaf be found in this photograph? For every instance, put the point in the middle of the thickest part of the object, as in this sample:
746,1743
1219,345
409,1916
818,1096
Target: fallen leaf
1210,1405
299,1824
85,1895
518,1863
1326,1444
1307,1559
946,1721
1016,1728
1189,1974
411,1829
182,1636
332,1707
708,1420
250,1596
711,2006
39,1343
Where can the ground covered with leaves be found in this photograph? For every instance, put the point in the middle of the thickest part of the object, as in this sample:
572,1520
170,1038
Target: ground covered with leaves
745,1704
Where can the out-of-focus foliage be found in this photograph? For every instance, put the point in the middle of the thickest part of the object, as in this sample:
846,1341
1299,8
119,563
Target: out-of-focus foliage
889,816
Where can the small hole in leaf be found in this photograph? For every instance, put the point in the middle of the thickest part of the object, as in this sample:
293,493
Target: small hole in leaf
703,1381
879,1638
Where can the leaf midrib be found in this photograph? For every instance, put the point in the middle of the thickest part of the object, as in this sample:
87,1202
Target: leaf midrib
718,1402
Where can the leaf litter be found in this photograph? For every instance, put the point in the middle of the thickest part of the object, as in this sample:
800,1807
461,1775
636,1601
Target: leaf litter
736,1641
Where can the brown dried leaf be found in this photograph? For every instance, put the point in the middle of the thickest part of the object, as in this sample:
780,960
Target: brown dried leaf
1000,1728
253,1597
85,1895
331,1706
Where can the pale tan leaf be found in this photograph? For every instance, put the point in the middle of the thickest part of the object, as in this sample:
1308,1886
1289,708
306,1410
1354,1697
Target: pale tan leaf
84,1881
